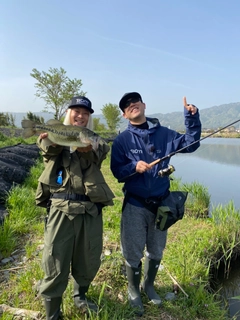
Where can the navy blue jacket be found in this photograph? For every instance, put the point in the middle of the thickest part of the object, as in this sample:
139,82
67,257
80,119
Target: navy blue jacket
136,144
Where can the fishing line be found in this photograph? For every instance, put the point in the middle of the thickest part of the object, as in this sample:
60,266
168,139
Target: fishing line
201,149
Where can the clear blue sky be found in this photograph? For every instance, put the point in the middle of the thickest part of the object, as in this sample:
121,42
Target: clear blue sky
163,49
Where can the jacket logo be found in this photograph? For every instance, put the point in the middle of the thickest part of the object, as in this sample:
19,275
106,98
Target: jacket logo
136,151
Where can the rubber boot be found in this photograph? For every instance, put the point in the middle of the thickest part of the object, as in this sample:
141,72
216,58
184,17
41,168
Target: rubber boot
150,272
52,307
134,298
81,301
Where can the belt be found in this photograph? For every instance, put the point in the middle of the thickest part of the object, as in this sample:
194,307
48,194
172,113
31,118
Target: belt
70,196
147,200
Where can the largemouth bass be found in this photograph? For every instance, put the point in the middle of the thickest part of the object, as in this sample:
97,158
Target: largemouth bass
58,133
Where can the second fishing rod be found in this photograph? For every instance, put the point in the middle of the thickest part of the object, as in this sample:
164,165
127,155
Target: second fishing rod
170,169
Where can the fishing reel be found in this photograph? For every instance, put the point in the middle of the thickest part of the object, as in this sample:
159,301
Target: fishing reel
166,172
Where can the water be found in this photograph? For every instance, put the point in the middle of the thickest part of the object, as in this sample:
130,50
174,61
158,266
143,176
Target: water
230,290
216,165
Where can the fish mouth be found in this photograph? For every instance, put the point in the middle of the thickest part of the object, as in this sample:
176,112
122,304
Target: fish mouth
93,142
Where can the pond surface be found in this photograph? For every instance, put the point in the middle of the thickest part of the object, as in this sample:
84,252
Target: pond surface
216,165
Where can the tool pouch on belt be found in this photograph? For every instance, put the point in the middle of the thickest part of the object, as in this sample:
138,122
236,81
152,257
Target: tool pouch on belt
170,210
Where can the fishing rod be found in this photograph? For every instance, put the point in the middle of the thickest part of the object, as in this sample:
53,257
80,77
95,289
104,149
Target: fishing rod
170,169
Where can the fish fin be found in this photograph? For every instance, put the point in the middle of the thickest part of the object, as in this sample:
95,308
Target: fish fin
27,133
104,141
26,123
95,145
72,149
46,142
53,122
28,127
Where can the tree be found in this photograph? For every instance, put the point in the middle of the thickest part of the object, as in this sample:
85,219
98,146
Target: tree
56,89
7,120
34,117
112,115
3,120
97,126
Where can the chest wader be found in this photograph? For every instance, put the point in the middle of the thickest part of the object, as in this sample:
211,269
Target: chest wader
79,293
52,307
81,301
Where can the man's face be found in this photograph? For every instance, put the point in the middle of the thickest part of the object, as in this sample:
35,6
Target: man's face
79,116
134,109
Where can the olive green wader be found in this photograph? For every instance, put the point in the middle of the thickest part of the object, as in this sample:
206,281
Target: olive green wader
73,233
70,241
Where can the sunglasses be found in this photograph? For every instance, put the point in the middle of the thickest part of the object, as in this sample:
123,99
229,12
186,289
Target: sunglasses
133,100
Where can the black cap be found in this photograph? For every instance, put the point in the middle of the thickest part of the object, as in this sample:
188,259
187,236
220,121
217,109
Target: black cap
126,97
83,102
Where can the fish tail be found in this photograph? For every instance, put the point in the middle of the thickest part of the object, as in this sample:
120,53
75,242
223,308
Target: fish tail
29,128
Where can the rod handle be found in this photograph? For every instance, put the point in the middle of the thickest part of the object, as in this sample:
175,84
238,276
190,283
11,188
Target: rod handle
154,162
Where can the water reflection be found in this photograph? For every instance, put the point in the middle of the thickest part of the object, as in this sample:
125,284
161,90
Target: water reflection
216,166
220,150
230,290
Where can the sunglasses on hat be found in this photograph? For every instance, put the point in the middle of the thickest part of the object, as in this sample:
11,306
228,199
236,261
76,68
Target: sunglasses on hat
131,100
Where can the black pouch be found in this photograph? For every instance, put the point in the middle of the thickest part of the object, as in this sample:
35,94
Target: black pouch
170,210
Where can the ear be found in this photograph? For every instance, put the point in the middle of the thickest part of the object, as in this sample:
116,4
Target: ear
124,115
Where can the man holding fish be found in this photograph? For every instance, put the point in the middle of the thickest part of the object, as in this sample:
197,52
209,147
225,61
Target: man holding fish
73,189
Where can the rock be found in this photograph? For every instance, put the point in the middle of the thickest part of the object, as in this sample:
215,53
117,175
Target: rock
7,260
170,296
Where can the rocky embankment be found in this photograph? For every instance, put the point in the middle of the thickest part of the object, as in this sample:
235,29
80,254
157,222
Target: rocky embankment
15,164
11,132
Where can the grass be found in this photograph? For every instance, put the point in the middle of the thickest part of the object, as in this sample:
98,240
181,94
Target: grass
6,141
196,247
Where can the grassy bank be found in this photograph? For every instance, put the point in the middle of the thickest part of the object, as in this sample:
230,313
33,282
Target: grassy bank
196,246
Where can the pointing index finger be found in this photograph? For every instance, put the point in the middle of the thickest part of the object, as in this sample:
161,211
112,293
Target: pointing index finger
185,102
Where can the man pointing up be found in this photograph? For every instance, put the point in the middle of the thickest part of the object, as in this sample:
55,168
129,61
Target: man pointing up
143,142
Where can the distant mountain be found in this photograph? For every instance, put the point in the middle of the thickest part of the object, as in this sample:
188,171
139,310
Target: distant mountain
220,116
211,118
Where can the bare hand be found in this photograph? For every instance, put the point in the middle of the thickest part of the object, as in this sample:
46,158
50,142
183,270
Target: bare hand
43,135
190,107
142,166
84,149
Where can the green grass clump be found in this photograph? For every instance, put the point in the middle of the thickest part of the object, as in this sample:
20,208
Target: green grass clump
11,140
196,246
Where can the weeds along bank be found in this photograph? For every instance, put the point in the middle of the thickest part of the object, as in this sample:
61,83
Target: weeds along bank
195,248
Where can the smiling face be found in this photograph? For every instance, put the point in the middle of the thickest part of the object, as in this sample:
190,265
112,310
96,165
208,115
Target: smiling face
135,112
79,116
